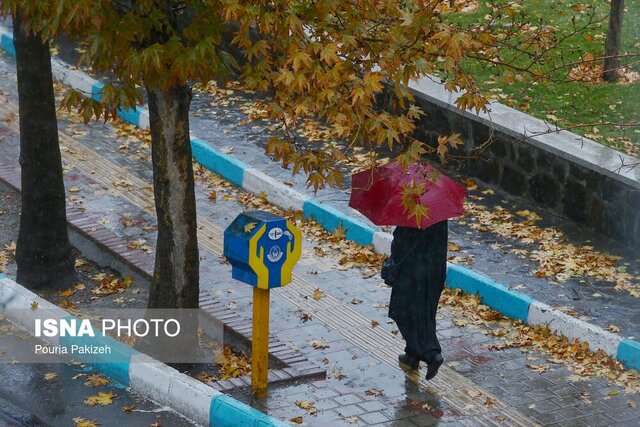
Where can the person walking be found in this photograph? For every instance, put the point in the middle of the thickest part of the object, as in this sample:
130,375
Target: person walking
419,263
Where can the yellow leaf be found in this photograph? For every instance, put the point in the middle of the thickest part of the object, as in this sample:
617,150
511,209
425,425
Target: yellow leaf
373,392
318,294
129,408
96,381
81,422
249,227
66,294
319,345
50,376
307,405
213,195
613,392
34,305
100,399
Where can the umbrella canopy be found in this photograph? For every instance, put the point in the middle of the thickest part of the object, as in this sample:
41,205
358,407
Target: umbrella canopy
377,194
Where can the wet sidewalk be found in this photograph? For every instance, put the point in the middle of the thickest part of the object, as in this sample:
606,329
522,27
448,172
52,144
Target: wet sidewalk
335,317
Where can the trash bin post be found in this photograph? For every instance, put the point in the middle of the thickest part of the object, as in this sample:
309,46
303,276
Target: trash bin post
262,249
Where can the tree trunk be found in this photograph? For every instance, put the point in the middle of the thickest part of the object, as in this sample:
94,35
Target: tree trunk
43,254
176,273
613,42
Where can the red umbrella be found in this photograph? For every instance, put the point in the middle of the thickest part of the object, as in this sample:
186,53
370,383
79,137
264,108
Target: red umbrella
377,194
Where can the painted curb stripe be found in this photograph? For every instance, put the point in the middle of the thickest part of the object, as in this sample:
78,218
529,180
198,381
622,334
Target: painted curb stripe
498,297
104,362
629,354
226,166
228,412
331,218
6,43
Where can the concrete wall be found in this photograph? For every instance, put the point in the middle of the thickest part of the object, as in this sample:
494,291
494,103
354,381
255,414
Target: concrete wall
565,172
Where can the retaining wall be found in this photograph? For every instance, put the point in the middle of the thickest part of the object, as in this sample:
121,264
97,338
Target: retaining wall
571,175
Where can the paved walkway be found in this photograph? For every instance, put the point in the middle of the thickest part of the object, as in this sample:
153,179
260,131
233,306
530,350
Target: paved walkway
478,385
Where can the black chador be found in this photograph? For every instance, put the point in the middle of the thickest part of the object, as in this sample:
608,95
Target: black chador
417,269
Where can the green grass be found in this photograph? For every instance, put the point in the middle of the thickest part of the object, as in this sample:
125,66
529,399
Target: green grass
573,104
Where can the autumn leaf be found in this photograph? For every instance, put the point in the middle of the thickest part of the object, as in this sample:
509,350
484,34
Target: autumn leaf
100,399
34,305
249,227
319,345
96,381
307,405
50,376
81,422
127,409
318,294
67,293
374,392
297,420
213,195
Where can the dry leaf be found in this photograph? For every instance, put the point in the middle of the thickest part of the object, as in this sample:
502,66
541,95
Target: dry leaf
96,381
213,195
249,227
129,408
373,392
50,376
67,293
319,345
374,323
350,420
81,422
34,305
100,399
613,328
297,420
318,294
308,406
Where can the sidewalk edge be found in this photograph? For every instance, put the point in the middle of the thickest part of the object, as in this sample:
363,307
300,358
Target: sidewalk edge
143,374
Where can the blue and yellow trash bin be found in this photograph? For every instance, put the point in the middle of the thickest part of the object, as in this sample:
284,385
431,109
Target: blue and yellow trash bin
263,249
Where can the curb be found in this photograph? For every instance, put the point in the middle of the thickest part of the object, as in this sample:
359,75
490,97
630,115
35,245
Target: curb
142,374
497,296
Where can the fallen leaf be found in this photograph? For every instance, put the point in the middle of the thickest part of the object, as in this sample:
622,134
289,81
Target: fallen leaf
213,195
81,422
67,293
96,381
297,420
374,323
356,301
129,408
319,345
227,150
613,328
308,406
350,420
612,393
318,294
249,227
50,376
100,399
34,305
374,392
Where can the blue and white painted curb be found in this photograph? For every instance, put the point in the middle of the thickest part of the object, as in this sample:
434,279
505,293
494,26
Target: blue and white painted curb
510,303
146,376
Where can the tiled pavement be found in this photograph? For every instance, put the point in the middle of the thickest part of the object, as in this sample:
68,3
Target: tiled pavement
478,386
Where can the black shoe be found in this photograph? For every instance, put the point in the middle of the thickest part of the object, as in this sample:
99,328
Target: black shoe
408,360
433,366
